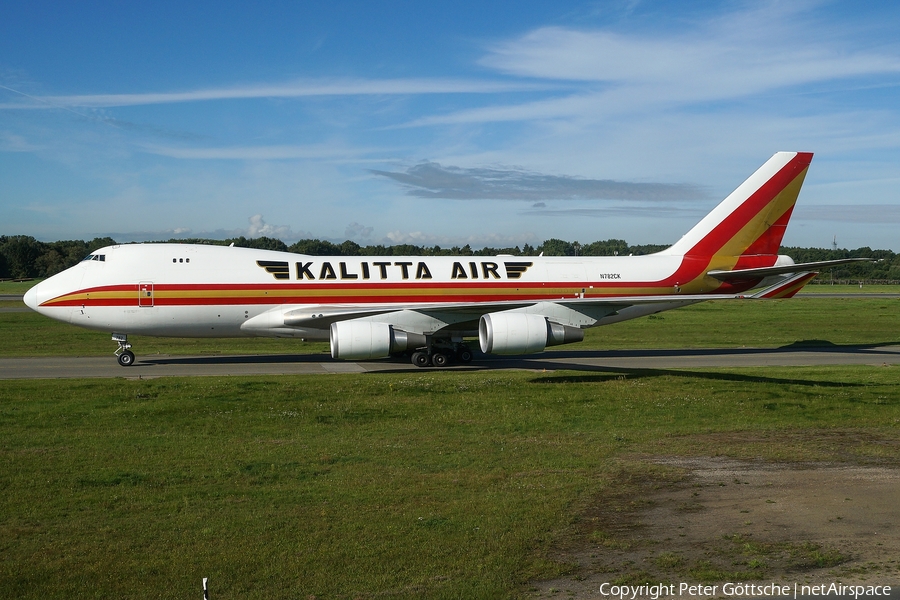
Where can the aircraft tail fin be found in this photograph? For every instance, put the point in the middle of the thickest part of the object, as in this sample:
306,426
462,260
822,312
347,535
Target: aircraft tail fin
745,230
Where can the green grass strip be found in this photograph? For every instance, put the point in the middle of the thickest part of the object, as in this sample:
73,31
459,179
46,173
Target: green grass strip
438,485
715,324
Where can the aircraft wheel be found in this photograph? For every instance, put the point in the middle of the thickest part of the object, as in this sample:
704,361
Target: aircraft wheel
439,359
126,359
420,359
465,355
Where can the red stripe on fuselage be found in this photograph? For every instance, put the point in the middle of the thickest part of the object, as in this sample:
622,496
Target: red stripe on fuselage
127,295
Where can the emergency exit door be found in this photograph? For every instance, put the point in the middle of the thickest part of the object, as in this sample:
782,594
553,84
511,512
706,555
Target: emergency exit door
145,293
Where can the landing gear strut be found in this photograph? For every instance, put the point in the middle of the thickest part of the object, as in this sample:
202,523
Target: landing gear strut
123,354
441,354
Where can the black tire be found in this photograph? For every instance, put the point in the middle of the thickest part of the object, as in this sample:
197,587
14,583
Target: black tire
440,359
465,355
420,359
126,358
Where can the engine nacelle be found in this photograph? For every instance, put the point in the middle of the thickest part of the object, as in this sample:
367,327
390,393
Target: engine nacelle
522,333
362,340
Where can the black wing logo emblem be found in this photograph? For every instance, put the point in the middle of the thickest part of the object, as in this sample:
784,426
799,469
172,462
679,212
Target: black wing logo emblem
278,269
514,270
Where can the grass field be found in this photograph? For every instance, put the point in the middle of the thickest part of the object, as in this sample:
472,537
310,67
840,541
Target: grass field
826,288
434,484
438,485
715,324
17,287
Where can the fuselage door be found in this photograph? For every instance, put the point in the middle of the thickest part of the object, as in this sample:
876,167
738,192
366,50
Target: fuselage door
145,293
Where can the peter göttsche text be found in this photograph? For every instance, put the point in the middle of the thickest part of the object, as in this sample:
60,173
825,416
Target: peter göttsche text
741,590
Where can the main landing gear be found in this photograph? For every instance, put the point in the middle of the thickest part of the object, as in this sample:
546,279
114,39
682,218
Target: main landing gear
441,355
123,354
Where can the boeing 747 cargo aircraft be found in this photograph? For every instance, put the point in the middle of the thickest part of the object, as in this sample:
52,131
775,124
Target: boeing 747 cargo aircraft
374,307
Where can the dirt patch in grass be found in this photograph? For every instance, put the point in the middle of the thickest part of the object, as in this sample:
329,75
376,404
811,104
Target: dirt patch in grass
715,520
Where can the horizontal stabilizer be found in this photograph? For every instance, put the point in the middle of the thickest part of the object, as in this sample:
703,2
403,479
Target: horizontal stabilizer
787,288
741,274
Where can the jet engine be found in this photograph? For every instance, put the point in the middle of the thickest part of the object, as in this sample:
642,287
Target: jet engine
362,340
522,333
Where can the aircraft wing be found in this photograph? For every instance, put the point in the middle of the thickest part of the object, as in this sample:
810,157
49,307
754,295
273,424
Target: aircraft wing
322,316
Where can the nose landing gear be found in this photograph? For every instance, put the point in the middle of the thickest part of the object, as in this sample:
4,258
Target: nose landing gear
123,354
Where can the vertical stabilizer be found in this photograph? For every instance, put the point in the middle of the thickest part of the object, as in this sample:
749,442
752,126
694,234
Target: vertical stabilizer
745,230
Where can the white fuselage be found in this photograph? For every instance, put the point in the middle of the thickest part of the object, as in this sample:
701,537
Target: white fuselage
214,291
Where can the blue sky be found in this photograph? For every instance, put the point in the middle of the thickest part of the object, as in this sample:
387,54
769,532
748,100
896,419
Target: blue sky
487,123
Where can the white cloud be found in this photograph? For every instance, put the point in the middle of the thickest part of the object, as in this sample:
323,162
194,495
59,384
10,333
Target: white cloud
11,142
258,227
733,56
358,233
300,89
715,63
274,152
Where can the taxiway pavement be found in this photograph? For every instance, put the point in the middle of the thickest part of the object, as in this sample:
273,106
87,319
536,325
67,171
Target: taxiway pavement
578,360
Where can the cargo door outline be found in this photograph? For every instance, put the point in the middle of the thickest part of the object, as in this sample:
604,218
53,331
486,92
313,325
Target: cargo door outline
145,294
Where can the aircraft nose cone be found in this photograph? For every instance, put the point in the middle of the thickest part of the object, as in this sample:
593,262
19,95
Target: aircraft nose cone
31,298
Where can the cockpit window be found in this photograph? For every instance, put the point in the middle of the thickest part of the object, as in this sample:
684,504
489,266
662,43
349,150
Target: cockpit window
100,257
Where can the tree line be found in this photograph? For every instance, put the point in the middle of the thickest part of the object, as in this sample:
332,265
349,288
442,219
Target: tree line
24,257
